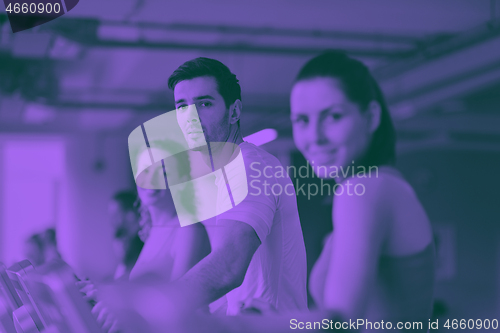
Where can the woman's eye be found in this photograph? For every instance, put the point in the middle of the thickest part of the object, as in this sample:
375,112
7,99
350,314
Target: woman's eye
300,120
335,116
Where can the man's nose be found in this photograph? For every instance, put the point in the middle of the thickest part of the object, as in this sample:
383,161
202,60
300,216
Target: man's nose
192,116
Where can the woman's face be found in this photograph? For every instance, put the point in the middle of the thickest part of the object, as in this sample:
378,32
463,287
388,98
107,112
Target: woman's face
151,180
34,253
328,129
153,177
154,197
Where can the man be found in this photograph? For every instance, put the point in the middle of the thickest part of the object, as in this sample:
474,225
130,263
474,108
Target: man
257,246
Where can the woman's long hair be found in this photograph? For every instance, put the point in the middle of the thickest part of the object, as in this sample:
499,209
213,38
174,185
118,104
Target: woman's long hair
145,221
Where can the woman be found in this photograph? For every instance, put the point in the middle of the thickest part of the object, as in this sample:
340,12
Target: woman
169,250
125,222
41,248
34,250
378,263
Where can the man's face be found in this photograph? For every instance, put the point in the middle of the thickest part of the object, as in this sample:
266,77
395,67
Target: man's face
210,119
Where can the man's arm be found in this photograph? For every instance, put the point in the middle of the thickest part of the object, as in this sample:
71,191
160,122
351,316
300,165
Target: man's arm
233,246
190,247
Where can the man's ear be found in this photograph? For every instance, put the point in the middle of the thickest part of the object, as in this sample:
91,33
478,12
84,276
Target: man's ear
375,114
235,112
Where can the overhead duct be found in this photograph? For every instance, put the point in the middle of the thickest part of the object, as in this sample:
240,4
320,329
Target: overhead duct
447,70
112,34
35,79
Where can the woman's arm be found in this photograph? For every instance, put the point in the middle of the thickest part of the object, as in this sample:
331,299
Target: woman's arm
360,228
191,245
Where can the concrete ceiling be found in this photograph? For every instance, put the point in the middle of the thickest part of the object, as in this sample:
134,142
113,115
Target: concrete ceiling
405,18
113,57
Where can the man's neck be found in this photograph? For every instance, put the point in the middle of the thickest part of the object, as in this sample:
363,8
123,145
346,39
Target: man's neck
235,136
160,215
218,154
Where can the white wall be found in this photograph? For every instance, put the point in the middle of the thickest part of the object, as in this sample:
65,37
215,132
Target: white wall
48,181
32,180
87,241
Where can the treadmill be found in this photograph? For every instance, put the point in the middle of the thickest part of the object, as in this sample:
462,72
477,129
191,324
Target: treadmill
9,301
51,300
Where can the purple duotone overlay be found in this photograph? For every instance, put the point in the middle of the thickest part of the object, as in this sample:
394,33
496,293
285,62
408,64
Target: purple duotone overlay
94,78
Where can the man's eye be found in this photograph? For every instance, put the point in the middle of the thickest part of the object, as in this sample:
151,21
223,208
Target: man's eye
206,104
182,107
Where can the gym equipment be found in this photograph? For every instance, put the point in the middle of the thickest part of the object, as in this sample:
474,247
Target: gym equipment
51,300
9,301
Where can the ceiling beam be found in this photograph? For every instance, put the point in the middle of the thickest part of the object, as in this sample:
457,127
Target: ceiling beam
239,39
409,41
451,74
242,47
440,47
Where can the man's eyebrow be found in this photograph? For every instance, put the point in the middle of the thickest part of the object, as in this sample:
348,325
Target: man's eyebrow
204,97
196,98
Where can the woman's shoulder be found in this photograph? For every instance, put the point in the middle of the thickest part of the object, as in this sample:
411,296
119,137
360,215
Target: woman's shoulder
371,196
384,180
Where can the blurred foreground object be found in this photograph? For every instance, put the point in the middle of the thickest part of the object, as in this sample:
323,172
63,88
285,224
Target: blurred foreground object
50,300
143,306
25,317
9,301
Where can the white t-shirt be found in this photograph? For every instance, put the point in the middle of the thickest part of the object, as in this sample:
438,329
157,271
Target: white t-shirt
277,272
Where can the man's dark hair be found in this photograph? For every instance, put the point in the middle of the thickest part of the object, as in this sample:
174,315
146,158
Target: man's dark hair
361,88
227,83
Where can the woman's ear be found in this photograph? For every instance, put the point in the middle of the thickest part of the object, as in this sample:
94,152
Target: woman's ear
375,113
235,112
